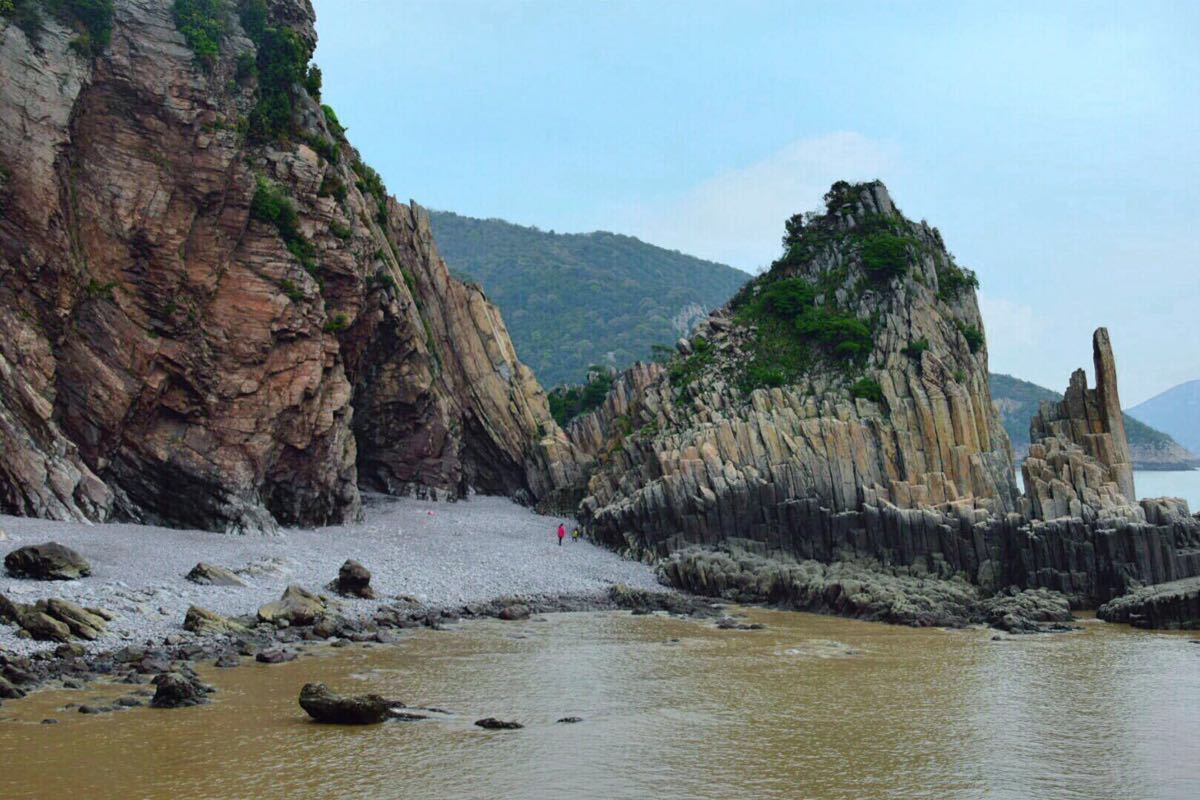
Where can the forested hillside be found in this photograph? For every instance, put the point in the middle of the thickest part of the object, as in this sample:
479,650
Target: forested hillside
573,300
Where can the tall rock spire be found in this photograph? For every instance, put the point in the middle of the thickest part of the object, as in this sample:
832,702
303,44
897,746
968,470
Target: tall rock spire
1110,409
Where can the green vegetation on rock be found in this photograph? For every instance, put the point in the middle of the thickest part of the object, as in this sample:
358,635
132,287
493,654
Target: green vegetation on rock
572,300
92,20
271,205
568,402
202,23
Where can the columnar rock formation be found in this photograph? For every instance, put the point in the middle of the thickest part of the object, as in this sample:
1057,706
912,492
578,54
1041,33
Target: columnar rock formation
713,460
1079,463
177,347
897,457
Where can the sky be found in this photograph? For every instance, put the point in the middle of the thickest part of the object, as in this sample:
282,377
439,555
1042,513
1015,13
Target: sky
1054,145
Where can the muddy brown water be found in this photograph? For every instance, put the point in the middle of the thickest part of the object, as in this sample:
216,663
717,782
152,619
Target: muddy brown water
811,707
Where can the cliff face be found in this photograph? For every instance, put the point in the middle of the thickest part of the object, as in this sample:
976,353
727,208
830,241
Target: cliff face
209,327
839,410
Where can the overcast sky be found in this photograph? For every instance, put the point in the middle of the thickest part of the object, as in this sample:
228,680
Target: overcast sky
1057,148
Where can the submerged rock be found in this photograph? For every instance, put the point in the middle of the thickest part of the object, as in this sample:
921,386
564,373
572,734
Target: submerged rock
179,690
211,575
493,724
47,562
275,655
324,706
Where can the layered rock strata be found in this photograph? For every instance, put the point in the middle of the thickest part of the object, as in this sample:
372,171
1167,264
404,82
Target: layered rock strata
177,347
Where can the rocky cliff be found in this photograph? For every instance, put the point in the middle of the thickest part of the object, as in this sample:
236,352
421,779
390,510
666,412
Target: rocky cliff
211,313
835,378
838,409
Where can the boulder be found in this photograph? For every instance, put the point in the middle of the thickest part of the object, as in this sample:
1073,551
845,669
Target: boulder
82,622
47,562
209,623
354,580
297,606
42,626
493,724
212,575
178,690
8,691
324,706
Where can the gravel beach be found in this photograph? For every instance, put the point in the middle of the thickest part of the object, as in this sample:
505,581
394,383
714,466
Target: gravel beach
442,554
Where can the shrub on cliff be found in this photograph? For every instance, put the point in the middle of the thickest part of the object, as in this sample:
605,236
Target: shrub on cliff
202,23
568,402
271,205
885,255
867,389
91,20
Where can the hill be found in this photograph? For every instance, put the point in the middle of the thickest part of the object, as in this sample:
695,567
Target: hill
1017,401
573,300
1176,411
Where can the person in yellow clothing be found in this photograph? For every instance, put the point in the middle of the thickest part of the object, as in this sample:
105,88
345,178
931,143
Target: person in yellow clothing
576,535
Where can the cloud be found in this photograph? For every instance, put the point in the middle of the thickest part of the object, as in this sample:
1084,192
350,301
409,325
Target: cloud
736,217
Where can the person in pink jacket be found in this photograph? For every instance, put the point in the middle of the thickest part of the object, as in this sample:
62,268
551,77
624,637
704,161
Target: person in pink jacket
562,531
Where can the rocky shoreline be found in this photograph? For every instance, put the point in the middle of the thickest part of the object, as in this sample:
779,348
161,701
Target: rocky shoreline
163,674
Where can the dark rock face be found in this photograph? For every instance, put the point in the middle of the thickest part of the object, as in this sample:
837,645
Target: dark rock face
354,580
493,724
47,562
143,306
1174,605
178,690
324,706
213,575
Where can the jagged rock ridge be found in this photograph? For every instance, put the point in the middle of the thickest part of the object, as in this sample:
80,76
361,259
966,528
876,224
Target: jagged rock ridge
171,353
